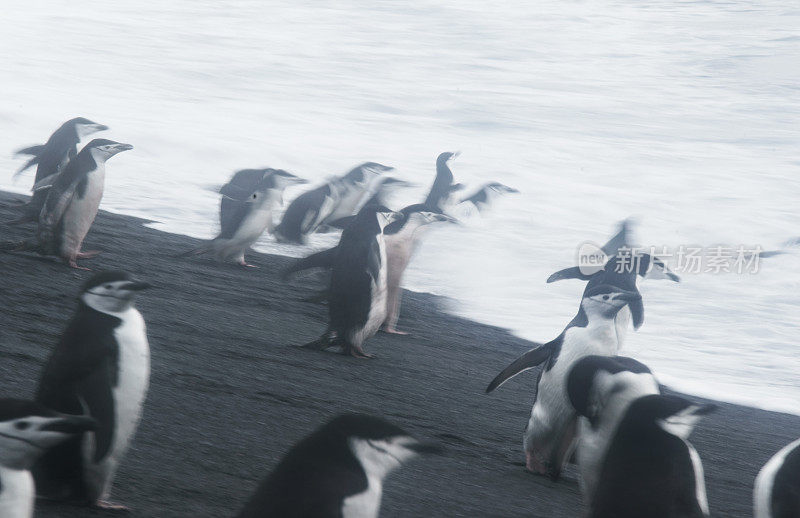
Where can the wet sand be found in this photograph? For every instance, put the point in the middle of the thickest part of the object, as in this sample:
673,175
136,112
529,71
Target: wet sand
230,393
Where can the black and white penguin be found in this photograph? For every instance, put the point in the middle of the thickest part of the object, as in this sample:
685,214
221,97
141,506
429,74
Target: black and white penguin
27,430
336,472
777,489
622,268
101,368
384,188
334,200
650,468
440,197
484,196
50,159
600,389
550,433
248,202
72,202
402,238
358,288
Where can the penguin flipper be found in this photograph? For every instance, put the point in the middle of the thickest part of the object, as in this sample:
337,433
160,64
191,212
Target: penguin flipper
33,150
651,267
569,273
323,259
637,313
529,360
33,161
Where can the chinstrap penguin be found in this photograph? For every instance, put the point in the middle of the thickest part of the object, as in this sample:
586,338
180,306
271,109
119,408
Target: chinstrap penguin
440,197
600,389
27,430
329,202
336,472
650,469
50,159
100,367
776,492
246,211
358,287
551,429
484,196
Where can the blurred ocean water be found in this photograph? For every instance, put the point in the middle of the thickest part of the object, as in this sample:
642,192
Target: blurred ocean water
681,114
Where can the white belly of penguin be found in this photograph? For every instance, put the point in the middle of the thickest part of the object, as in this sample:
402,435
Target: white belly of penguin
252,227
129,394
16,496
81,211
552,409
347,203
377,308
366,504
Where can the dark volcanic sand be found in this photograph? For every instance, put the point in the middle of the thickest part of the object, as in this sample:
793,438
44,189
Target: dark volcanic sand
229,394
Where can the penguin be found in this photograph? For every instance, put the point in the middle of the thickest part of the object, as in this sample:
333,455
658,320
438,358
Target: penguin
551,430
484,196
331,201
246,209
440,196
402,238
101,368
776,493
600,389
72,203
650,468
621,269
27,430
337,471
384,188
50,159
358,287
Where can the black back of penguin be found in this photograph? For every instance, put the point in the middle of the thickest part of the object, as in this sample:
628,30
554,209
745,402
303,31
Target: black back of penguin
321,471
648,471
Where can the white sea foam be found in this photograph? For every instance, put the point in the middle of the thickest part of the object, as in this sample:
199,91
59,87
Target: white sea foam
683,114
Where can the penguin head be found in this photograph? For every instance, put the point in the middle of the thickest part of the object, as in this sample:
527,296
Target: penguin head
379,446
111,291
605,300
282,179
27,429
386,217
84,127
596,383
103,149
500,188
673,414
366,173
446,157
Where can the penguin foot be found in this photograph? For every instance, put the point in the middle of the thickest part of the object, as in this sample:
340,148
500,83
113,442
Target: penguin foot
109,506
88,255
393,331
73,264
357,352
247,265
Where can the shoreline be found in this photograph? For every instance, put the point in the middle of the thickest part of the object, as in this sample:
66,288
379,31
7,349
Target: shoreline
230,394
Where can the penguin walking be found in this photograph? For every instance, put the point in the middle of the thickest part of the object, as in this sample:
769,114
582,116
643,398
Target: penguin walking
50,159
402,238
357,295
27,430
777,489
336,472
335,199
551,429
650,468
248,202
440,196
601,388
101,368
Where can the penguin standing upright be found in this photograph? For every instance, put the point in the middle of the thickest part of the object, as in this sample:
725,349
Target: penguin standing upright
72,202
440,196
100,367
776,493
650,468
357,295
336,472
248,202
333,200
51,157
27,429
551,429
600,389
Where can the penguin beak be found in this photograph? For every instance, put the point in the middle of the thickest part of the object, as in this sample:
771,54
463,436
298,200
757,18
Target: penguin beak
99,127
426,448
455,155
123,147
70,424
136,286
